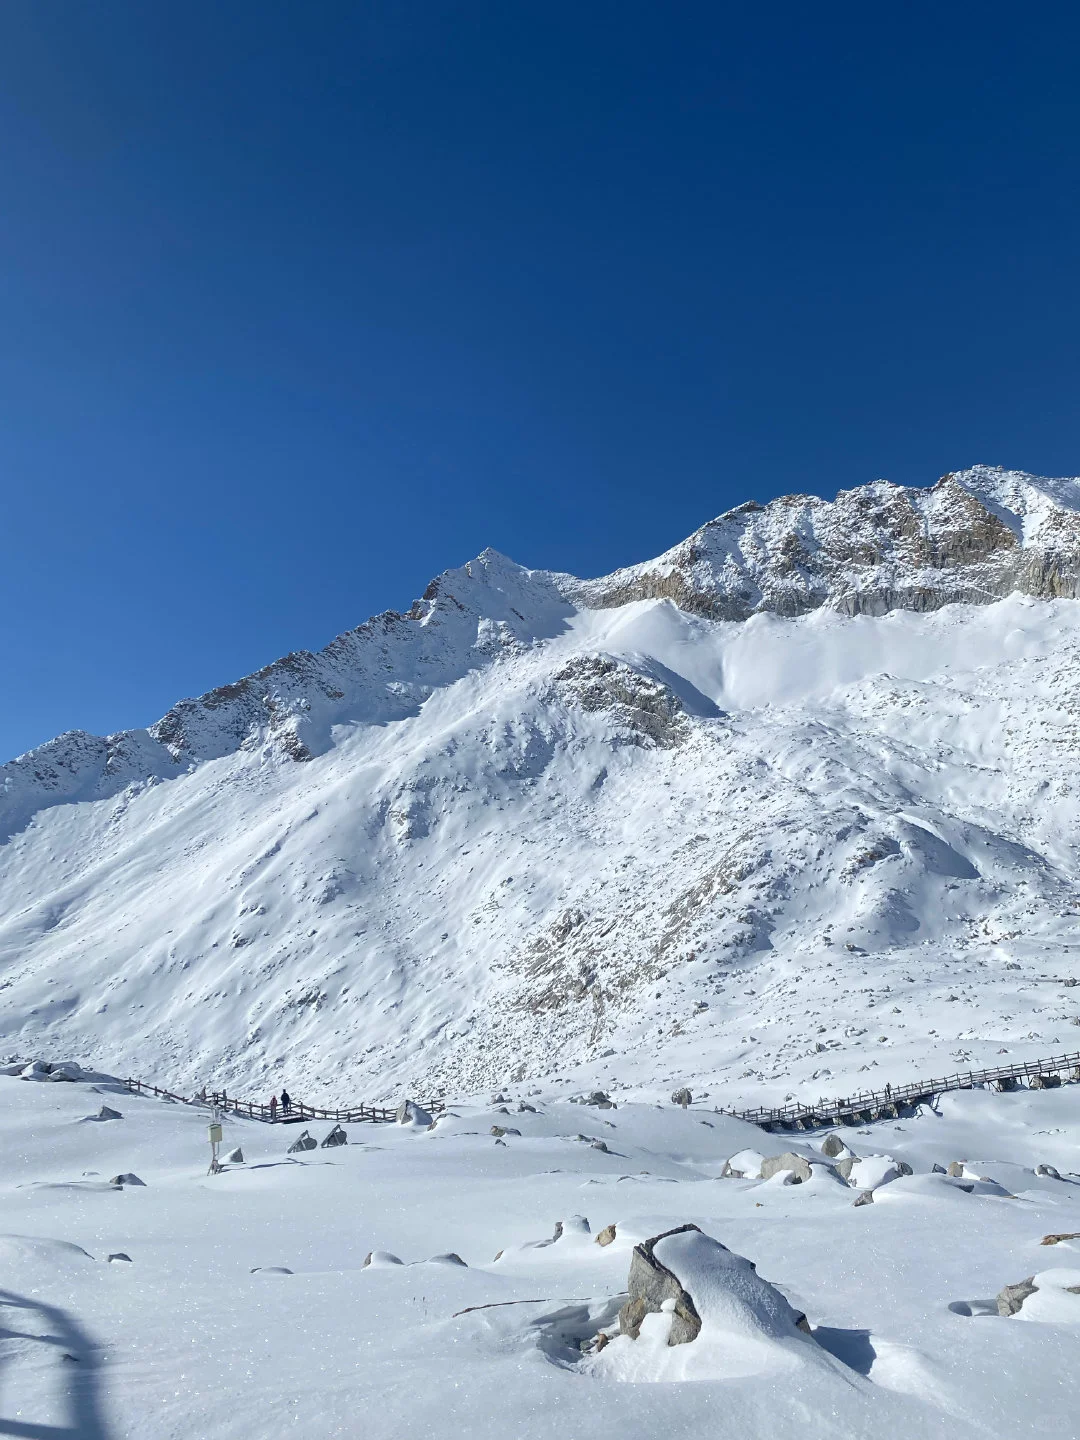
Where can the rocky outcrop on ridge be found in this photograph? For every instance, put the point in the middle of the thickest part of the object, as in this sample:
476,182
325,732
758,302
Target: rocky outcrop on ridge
975,536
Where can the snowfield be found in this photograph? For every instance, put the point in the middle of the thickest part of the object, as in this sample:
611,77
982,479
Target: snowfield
245,1308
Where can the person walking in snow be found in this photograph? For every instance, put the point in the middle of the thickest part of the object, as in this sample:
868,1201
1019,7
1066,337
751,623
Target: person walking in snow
286,1103
273,1107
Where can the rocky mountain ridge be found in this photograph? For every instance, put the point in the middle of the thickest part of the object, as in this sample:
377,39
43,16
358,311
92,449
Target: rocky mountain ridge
976,536
540,825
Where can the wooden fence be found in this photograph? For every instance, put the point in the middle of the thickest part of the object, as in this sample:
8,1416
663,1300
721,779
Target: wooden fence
297,1111
862,1108
875,1104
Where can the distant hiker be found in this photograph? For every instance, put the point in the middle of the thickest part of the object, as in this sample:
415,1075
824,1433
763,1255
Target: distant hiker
273,1107
286,1103
888,1091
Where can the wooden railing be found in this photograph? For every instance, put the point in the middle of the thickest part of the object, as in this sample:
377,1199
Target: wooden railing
297,1111
869,1103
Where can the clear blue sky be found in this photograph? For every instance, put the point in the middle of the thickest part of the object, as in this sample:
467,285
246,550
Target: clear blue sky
302,303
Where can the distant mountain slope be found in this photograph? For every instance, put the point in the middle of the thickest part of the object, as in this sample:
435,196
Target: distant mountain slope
769,812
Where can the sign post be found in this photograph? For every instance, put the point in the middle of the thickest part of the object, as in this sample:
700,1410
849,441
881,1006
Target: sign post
215,1141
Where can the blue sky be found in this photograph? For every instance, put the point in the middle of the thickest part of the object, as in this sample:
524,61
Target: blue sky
302,304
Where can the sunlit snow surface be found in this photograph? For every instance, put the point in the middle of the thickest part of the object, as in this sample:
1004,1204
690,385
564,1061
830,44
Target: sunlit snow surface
778,856
202,1333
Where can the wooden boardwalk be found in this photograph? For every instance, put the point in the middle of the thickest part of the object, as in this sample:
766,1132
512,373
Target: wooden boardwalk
860,1109
298,1111
870,1105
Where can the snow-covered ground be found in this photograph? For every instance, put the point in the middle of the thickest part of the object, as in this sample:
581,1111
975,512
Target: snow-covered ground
246,1310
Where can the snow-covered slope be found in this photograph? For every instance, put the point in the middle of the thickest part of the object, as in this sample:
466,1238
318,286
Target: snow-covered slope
240,1305
779,808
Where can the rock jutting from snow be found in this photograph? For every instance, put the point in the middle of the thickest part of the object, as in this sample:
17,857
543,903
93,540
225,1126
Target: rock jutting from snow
500,1130
746,1165
682,1097
335,1137
380,1260
1011,1297
235,1157
119,1255
1059,1239
126,1179
606,1235
796,1165
105,1113
409,1113
304,1141
650,1285
833,1145
1050,1171
687,1274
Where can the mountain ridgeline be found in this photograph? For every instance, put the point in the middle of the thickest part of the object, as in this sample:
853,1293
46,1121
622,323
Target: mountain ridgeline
697,818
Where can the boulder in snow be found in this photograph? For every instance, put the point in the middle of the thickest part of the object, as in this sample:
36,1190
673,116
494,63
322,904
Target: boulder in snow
866,1198
746,1165
336,1137
106,1113
833,1146
956,1169
600,1100
379,1260
303,1141
126,1179
409,1113
500,1130
119,1255
787,1162
682,1097
235,1157
1057,1239
606,1235
1012,1297
690,1276
36,1070
1051,1171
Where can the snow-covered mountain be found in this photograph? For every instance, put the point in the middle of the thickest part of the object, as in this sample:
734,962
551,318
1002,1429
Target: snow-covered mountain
792,802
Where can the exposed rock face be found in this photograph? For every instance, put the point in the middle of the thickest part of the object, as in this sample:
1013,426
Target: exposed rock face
668,1271
1012,1297
646,711
975,536
650,1284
